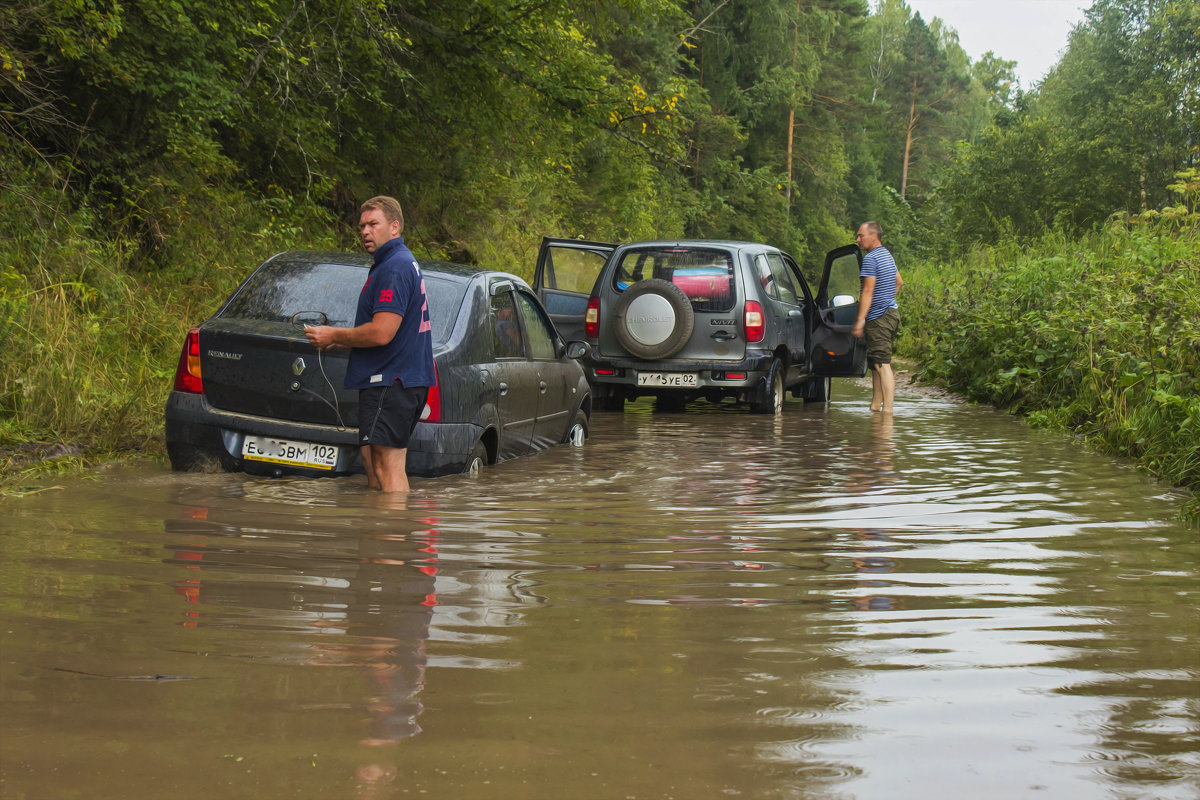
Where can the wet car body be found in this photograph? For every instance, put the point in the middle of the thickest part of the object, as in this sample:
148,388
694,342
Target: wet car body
252,394
687,319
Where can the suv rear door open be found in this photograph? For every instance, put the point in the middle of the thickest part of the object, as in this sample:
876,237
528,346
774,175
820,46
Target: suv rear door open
565,274
836,351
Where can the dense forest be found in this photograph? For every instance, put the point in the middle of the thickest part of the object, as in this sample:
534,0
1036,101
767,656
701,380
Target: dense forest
152,152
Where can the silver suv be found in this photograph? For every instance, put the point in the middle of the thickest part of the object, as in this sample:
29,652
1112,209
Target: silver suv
682,320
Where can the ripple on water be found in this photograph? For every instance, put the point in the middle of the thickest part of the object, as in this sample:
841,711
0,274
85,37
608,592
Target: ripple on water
807,606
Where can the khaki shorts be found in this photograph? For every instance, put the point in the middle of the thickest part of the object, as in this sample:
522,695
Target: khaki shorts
880,333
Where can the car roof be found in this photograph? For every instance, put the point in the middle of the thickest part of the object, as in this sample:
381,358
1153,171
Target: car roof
723,243
462,273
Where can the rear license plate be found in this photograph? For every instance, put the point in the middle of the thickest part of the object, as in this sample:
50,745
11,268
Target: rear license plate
292,453
679,379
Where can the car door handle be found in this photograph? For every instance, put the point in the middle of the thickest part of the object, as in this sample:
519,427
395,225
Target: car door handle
795,313
724,336
542,387
503,388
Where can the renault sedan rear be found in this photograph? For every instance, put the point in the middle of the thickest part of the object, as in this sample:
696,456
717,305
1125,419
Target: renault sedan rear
252,394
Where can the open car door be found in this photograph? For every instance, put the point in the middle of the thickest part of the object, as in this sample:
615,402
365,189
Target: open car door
566,272
836,351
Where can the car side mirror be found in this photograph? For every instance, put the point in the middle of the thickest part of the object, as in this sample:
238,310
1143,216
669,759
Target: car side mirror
577,349
842,300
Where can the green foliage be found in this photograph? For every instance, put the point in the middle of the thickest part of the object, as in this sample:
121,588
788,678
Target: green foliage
1099,336
922,100
1104,132
91,339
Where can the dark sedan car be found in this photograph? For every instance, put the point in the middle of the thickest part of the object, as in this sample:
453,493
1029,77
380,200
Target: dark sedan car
252,394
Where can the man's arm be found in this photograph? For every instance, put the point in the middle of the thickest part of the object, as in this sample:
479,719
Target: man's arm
380,330
864,305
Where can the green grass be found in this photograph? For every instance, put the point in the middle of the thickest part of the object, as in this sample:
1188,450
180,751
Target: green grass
91,329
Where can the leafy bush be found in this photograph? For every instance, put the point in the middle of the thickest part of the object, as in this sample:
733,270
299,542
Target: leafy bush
91,330
1098,336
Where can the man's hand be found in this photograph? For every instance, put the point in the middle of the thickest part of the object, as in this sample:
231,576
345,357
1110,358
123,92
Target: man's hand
321,336
380,330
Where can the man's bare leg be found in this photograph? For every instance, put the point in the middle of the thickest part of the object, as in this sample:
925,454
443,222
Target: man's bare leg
364,453
390,465
887,385
876,388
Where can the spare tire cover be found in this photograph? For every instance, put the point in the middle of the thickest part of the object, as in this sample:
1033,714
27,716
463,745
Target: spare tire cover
653,319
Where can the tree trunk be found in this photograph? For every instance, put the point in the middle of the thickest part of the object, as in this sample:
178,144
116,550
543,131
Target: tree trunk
908,137
791,131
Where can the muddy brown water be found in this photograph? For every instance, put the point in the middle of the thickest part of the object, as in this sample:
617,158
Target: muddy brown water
699,605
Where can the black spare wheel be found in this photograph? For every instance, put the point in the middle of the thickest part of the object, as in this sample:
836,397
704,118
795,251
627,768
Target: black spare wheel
653,319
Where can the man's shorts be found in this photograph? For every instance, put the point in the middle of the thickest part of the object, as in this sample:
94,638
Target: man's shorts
387,415
880,333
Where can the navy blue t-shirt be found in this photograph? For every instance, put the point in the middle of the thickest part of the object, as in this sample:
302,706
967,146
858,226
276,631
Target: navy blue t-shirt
394,284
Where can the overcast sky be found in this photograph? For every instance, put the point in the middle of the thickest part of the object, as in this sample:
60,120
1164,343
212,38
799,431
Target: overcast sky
1031,32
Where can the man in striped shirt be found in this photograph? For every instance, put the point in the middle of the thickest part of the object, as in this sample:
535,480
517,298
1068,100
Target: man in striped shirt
878,314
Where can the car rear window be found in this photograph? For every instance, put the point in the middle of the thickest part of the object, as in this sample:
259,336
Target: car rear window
281,289
705,275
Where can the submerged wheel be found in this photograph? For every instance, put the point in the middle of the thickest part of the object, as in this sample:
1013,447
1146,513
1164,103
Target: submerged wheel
614,403
577,434
674,403
190,458
477,460
772,402
653,319
816,390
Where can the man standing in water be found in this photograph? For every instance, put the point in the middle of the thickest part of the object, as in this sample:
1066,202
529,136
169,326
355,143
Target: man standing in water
878,313
391,347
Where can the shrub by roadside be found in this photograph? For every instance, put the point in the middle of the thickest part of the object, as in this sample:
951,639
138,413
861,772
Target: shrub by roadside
91,327
1099,337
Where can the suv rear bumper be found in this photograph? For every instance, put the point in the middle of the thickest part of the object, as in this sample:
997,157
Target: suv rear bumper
752,370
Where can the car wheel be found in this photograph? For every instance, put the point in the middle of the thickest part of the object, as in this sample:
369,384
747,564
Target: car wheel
189,458
185,458
477,460
614,403
653,319
772,402
816,390
670,403
577,434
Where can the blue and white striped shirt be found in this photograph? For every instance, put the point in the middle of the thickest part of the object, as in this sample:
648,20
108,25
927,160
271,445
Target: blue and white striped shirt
880,265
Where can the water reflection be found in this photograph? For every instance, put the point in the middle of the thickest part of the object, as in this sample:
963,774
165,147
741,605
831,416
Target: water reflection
362,602
831,603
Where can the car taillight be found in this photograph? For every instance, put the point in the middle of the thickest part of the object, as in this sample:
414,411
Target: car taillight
591,320
432,412
187,374
755,326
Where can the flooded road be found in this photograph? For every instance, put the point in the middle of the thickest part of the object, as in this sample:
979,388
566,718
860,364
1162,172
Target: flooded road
697,605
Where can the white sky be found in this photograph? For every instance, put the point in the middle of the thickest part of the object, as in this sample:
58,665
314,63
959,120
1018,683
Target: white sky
1031,32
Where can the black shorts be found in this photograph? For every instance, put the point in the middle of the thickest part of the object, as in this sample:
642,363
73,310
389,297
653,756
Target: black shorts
388,415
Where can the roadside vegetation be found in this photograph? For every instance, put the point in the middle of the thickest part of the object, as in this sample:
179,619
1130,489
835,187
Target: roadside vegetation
151,154
1097,335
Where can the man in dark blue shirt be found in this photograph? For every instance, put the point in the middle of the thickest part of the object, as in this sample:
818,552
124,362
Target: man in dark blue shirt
391,347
